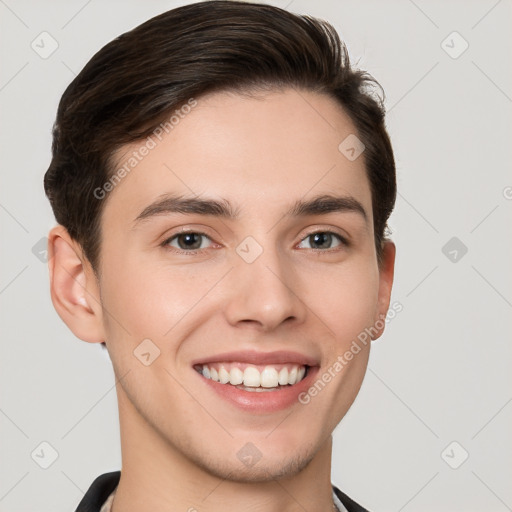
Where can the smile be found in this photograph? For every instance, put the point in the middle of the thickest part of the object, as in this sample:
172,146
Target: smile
254,381
248,377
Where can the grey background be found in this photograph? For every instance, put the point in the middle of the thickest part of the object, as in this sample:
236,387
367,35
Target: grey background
441,372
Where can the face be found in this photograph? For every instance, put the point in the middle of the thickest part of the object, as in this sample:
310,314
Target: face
210,319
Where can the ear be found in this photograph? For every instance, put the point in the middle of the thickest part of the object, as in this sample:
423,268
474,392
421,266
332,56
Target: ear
73,287
386,273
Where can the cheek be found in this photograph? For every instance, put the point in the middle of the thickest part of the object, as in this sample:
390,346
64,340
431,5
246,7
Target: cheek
145,300
345,300
153,300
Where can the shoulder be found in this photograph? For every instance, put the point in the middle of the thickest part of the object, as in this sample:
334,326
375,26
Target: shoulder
104,485
348,502
98,492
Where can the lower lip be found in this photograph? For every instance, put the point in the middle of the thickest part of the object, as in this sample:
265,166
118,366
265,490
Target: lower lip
264,401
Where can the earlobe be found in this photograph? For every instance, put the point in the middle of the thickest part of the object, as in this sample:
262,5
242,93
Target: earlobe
73,288
386,274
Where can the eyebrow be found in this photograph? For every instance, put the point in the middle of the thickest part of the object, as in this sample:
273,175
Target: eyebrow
319,205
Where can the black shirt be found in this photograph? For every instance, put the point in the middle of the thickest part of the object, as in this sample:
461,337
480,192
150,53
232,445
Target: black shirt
105,484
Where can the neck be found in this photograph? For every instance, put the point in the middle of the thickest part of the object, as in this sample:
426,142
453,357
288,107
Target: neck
156,475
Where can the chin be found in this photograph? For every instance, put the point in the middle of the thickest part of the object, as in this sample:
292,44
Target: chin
266,469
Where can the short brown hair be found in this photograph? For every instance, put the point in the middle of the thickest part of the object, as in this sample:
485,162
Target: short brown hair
132,84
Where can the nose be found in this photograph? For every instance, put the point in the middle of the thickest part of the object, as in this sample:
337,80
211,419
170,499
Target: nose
265,293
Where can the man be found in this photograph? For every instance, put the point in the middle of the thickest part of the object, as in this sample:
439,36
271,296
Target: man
221,178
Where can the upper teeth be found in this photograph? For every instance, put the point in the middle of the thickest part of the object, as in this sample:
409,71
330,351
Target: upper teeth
269,377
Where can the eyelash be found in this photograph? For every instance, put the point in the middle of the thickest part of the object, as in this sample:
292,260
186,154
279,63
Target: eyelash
166,243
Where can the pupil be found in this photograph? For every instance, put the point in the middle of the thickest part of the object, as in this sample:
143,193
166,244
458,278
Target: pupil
319,237
189,237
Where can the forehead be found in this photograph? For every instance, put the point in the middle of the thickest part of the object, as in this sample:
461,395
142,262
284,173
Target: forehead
261,153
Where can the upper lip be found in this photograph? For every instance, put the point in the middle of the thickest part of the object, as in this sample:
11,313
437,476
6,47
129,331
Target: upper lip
255,357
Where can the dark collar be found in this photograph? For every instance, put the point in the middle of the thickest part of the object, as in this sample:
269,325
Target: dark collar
349,503
98,492
105,484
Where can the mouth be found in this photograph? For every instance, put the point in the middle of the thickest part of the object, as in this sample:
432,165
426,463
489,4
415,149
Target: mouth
258,382
254,378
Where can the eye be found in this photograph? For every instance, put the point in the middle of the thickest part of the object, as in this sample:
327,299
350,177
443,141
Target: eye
187,241
325,238
190,242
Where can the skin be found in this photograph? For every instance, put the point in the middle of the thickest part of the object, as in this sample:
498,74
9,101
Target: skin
179,439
